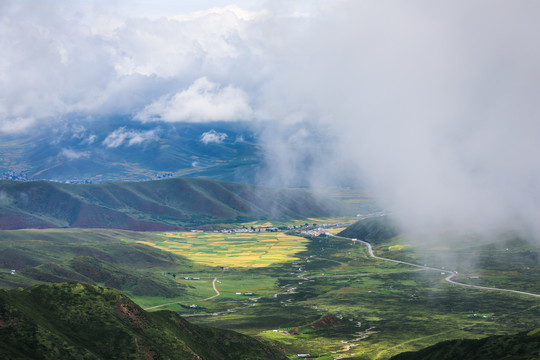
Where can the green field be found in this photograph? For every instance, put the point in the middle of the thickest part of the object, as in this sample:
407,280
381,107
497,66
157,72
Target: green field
383,308
373,309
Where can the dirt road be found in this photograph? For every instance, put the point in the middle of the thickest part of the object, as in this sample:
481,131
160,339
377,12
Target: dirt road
178,302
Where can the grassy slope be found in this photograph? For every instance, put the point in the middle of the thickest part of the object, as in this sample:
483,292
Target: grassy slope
152,205
373,230
409,310
525,345
76,321
92,256
174,150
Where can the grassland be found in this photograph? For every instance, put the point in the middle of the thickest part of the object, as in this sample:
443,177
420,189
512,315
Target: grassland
381,309
377,309
166,205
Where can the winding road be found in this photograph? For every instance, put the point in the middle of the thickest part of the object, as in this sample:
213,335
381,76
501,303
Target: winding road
371,254
448,278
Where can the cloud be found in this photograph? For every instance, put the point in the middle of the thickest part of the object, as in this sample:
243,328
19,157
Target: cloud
430,106
122,136
71,154
16,124
89,140
238,12
78,131
78,58
213,136
5,199
203,101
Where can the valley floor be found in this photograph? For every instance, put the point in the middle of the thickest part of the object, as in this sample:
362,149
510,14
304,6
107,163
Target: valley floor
327,296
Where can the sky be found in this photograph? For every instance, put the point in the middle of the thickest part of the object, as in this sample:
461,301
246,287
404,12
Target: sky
432,106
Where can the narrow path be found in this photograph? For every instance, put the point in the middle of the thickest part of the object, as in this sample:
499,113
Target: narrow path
448,278
178,302
215,289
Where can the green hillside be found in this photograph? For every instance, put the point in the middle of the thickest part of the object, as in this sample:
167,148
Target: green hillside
373,229
94,256
77,321
76,150
152,205
522,346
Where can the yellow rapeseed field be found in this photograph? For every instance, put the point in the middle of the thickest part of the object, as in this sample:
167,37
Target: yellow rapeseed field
233,250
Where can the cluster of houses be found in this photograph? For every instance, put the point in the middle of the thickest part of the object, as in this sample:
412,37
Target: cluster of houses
15,174
309,231
316,232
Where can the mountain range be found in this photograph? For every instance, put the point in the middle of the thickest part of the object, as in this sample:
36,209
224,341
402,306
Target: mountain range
152,205
122,149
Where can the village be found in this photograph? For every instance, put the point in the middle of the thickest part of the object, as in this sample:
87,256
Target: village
306,229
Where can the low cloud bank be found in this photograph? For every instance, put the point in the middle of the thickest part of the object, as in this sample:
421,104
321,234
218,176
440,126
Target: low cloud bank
432,106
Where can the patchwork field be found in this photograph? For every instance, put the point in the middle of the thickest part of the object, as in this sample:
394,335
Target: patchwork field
320,295
232,250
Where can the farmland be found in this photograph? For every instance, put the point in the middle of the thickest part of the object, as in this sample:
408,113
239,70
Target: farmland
378,309
339,300
232,250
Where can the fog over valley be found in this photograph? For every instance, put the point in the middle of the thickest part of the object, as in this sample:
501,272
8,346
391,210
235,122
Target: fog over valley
270,179
431,107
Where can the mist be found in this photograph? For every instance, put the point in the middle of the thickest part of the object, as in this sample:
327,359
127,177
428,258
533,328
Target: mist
431,107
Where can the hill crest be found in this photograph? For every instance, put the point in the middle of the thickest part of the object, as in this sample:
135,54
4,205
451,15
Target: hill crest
171,204
81,321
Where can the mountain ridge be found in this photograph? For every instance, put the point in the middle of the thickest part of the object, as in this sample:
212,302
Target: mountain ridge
170,204
522,346
81,321
118,148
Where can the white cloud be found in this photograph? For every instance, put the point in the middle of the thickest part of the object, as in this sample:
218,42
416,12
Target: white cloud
213,136
203,101
434,104
69,57
239,13
71,154
90,139
15,125
122,136
78,131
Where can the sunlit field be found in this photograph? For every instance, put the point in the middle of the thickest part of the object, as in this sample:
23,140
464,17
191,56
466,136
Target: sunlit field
233,250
